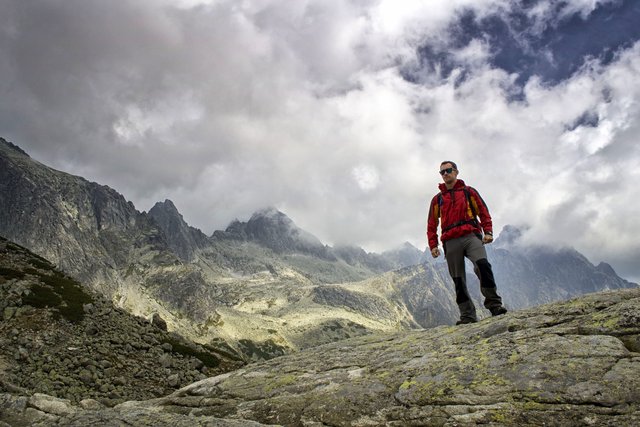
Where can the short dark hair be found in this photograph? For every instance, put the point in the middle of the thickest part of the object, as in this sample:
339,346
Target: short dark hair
452,164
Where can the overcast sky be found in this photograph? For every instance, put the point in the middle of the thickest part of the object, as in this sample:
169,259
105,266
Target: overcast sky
339,112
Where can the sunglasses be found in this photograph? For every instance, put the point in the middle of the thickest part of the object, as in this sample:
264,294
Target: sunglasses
447,170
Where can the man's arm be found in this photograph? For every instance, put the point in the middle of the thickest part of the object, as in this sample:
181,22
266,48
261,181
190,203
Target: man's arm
432,226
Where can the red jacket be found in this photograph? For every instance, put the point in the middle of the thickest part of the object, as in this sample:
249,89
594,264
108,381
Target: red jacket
456,214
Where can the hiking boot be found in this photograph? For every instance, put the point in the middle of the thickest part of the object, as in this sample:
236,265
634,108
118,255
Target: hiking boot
498,311
465,321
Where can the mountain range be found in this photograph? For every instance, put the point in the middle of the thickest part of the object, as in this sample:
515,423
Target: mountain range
263,286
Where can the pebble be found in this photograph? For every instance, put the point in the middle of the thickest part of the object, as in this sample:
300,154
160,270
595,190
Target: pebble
86,376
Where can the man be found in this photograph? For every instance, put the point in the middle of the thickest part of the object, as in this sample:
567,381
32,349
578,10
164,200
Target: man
458,207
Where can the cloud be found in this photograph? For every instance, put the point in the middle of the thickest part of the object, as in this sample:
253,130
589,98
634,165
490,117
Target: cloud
330,111
366,177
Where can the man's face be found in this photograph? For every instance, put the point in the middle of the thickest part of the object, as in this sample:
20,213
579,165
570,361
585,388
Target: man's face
448,173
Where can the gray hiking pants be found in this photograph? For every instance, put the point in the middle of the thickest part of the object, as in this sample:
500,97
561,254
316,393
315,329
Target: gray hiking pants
455,251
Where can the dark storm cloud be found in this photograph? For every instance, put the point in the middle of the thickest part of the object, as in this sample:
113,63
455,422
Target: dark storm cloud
121,87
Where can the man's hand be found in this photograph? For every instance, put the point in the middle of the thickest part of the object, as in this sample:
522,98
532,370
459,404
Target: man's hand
435,252
488,238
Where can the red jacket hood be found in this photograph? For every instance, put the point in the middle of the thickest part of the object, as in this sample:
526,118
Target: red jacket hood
459,184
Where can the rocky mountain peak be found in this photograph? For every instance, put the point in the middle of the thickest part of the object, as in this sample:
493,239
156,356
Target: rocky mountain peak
407,246
182,239
272,213
509,236
606,269
272,221
7,144
273,229
167,215
405,254
168,207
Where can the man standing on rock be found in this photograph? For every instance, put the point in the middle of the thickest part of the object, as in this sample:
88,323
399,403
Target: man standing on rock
458,208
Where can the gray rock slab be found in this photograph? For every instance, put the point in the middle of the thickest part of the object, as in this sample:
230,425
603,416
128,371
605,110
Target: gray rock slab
564,364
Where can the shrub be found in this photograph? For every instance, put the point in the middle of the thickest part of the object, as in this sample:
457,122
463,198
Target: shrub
61,293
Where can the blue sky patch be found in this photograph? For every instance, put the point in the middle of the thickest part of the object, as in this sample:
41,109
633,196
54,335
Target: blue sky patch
517,45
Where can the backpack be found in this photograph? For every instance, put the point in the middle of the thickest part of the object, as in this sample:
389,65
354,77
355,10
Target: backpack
473,221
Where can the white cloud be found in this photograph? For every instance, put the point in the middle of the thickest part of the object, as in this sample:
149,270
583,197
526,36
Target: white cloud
548,13
582,7
366,177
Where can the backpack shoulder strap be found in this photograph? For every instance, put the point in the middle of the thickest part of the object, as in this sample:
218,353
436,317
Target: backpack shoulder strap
467,194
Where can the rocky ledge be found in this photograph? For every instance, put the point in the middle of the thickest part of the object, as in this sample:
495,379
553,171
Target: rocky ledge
564,364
